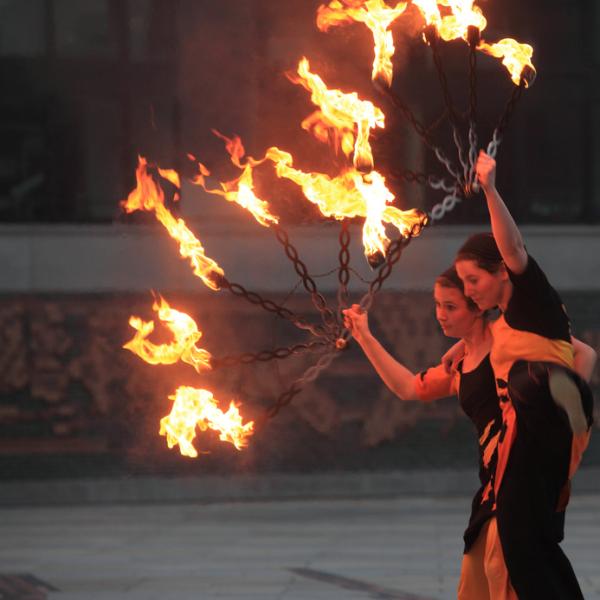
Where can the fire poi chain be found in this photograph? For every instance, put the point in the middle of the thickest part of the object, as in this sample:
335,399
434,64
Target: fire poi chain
345,121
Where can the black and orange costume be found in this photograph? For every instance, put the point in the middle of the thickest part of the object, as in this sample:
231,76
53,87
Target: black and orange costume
476,392
477,396
537,452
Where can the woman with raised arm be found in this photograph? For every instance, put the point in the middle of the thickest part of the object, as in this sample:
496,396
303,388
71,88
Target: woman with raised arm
473,382
546,407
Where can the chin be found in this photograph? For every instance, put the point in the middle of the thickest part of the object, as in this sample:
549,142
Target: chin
483,305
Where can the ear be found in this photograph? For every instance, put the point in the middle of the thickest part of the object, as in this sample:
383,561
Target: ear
503,273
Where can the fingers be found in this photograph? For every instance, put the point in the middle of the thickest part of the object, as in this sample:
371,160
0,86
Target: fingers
353,316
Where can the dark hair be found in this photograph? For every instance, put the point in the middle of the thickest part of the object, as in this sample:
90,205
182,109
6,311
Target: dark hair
483,250
450,279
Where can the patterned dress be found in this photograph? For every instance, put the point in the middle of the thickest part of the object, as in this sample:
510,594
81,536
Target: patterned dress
537,452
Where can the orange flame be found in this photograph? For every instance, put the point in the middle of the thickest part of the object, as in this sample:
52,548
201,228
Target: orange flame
351,194
515,57
377,16
172,176
350,118
198,408
241,190
183,347
464,14
455,25
149,196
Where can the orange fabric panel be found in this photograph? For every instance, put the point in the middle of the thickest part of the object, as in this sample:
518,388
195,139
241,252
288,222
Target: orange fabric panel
511,345
436,383
483,574
509,419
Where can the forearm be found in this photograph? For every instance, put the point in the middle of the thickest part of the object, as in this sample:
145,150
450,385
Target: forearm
585,359
506,233
396,376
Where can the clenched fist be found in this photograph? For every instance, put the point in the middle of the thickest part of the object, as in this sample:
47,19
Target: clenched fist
486,171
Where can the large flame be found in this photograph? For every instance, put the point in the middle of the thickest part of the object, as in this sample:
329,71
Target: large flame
183,347
149,196
197,408
515,57
241,190
377,16
351,194
463,14
349,118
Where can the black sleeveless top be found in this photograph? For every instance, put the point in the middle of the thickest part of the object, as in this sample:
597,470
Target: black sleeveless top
478,399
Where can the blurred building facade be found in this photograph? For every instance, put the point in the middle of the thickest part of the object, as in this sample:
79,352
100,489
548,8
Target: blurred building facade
89,86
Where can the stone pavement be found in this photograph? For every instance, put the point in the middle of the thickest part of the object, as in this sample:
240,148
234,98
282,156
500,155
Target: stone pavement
391,549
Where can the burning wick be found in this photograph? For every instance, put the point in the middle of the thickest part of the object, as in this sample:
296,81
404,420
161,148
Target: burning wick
341,343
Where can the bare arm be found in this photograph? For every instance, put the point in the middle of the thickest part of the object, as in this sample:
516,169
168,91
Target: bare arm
505,230
585,359
399,379
453,356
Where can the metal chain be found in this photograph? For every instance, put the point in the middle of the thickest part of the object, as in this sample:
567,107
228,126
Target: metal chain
310,375
509,109
447,205
432,36
266,355
433,181
343,271
238,290
309,283
392,257
474,36
421,130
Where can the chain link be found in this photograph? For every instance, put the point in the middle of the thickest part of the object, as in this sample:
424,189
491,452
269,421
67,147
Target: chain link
238,290
421,130
433,181
432,36
307,281
392,257
310,375
497,136
247,358
448,204
344,269
474,36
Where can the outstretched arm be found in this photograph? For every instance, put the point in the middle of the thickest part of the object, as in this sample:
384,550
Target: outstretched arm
585,359
505,230
399,379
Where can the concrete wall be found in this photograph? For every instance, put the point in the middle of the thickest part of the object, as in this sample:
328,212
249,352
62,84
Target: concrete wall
136,258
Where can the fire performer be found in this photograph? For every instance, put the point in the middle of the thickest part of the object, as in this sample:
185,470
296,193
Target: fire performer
483,572
546,407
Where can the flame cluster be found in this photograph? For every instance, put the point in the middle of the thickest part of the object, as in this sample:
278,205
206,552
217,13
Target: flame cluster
341,119
198,409
451,18
192,408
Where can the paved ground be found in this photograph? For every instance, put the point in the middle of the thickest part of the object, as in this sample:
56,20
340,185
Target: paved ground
404,548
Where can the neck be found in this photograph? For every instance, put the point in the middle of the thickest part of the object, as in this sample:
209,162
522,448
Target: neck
477,337
506,296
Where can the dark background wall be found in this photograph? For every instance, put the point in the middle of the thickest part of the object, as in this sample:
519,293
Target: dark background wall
87,86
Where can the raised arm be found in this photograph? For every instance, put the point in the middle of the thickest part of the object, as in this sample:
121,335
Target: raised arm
399,379
505,230
585,359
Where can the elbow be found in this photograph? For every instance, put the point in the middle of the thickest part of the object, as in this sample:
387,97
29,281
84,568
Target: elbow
404,393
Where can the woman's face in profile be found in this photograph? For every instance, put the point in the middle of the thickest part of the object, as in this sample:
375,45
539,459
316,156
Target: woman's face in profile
452,311
483,287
